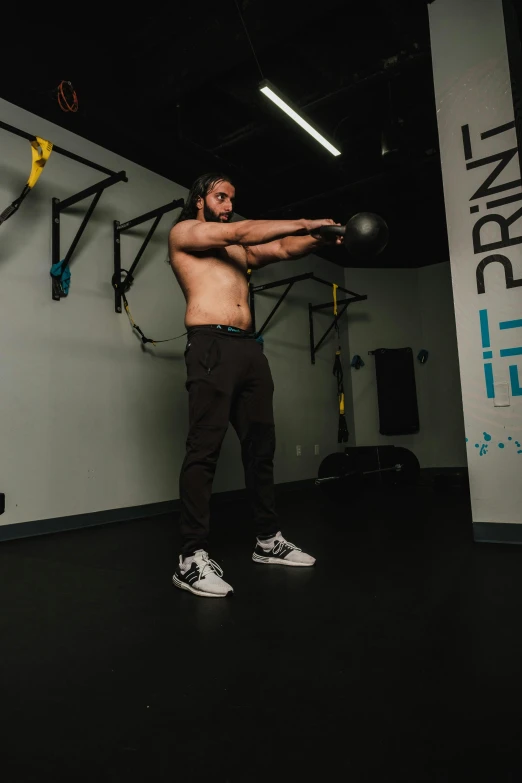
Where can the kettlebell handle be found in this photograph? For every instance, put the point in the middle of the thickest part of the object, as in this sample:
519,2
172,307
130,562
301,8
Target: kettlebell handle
332,231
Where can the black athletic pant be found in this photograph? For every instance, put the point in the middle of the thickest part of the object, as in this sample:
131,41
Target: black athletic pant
228,380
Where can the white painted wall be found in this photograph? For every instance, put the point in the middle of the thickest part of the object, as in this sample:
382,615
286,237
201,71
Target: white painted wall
90,421
472,88
305,404
409,307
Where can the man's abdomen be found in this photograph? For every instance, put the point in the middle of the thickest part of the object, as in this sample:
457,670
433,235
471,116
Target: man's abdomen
203,311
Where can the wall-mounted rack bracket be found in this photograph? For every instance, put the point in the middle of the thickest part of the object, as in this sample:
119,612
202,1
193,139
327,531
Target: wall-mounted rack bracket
122,285
289,282
58,207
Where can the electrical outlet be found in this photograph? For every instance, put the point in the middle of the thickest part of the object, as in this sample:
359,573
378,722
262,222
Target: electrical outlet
316,449
501,395
298,450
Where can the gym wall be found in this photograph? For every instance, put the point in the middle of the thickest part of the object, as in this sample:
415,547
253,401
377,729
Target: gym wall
305,404
482,178
409,307
89,420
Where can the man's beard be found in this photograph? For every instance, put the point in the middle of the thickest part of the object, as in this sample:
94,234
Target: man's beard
214,217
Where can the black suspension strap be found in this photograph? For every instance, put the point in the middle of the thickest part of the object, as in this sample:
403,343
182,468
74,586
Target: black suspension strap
137,329
342,431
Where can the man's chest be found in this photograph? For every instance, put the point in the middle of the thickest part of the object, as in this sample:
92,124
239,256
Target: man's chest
227,266
235,256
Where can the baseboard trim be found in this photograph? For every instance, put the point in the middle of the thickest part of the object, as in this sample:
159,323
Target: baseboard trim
446,471
77,522
497,532
43,527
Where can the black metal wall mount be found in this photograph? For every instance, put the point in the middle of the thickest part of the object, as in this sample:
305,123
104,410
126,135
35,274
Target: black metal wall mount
289,282
60,206
122,285
56,148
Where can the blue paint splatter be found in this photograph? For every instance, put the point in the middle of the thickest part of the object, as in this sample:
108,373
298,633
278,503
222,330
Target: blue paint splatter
484,446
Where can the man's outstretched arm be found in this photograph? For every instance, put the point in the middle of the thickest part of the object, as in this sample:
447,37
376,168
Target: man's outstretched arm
285,249
194,235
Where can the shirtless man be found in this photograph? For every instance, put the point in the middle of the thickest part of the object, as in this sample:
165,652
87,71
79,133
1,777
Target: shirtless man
228,377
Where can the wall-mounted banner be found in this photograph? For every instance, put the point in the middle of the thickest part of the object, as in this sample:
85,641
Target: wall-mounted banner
483,197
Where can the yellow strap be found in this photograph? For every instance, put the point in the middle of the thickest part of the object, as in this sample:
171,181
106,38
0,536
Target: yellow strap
341,404
335,287
40,151
127,310
132,321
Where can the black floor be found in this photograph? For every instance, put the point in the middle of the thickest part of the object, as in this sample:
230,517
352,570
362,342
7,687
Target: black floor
397,658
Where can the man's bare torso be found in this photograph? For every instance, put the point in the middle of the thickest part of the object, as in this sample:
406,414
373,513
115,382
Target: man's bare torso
215,286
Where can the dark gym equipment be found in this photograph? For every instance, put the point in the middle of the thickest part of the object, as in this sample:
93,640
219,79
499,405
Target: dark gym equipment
342,430
365,235
362,467
396,391
59,268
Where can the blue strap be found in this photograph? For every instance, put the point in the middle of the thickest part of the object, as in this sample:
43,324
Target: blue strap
65,276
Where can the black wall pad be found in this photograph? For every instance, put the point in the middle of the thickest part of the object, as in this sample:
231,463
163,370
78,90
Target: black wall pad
396,391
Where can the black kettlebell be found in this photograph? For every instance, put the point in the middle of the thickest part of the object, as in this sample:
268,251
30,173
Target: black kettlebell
365,235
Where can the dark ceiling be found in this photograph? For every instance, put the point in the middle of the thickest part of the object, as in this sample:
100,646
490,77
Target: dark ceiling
177,92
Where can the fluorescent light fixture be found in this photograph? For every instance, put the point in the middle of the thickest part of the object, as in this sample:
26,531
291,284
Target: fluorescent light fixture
282,103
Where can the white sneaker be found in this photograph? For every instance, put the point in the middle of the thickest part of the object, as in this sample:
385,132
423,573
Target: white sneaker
279,551
201,575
